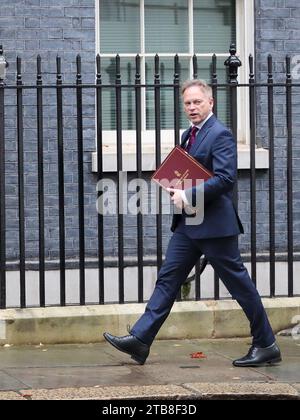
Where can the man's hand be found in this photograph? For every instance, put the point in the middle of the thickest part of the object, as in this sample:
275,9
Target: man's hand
178,197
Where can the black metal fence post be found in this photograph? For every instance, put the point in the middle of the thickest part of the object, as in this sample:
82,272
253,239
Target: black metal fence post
120,205
20,141
61,182
80,182
195,67
139,172
41,193
290,214
271,175
176,100
157,92
99,177
233,63
214,83
252,99
2,198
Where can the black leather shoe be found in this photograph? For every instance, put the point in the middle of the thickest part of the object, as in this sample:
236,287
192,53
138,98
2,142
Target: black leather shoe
131,345
259,357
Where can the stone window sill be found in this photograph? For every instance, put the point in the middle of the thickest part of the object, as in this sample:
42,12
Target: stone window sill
148,158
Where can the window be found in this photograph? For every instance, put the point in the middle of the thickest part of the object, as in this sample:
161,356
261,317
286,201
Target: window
166,28
130,27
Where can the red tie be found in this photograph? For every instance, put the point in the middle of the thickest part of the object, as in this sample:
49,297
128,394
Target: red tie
192,138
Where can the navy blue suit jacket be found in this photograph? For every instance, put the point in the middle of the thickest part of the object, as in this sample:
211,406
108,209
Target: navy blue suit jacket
216,149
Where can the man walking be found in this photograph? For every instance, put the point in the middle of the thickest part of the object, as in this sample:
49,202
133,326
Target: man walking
212,144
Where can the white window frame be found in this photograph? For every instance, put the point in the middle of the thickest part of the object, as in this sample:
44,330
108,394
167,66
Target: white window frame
245,27
245,34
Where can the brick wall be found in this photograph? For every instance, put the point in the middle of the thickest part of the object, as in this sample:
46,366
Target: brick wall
277,24
48,28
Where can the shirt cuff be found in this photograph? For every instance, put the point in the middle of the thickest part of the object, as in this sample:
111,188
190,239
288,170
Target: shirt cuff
183,196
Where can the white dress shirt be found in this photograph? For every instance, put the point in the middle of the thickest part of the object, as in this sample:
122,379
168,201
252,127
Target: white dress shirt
199,126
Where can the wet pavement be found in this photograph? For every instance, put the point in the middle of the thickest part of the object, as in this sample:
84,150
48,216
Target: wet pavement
98,371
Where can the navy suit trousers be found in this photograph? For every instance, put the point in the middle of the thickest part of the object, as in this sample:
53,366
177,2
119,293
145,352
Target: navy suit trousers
224,256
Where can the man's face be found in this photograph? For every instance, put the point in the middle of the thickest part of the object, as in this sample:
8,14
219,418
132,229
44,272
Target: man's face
197,104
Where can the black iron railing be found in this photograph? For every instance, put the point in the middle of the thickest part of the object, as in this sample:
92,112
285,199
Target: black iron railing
79,87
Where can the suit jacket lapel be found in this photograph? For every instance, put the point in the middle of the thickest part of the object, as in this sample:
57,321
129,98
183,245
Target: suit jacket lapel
202,134
185,137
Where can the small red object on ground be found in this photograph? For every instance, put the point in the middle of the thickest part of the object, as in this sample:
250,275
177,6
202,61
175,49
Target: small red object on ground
198,355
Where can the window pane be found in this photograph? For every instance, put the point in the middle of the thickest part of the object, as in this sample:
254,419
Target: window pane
109,94
167,94
214,25
166,26
119,26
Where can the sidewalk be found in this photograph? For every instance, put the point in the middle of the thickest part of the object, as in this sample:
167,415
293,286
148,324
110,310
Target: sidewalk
98,371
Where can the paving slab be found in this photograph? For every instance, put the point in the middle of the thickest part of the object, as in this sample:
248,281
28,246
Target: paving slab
244,390
55,355
297,387
214,367
11,396
10,382
113,392
288,371
189,391
77,376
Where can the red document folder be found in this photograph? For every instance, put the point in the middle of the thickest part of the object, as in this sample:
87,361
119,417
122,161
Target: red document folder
180,170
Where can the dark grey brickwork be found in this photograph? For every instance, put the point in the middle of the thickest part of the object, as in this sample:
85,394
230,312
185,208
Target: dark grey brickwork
67,27
48,28
277,24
